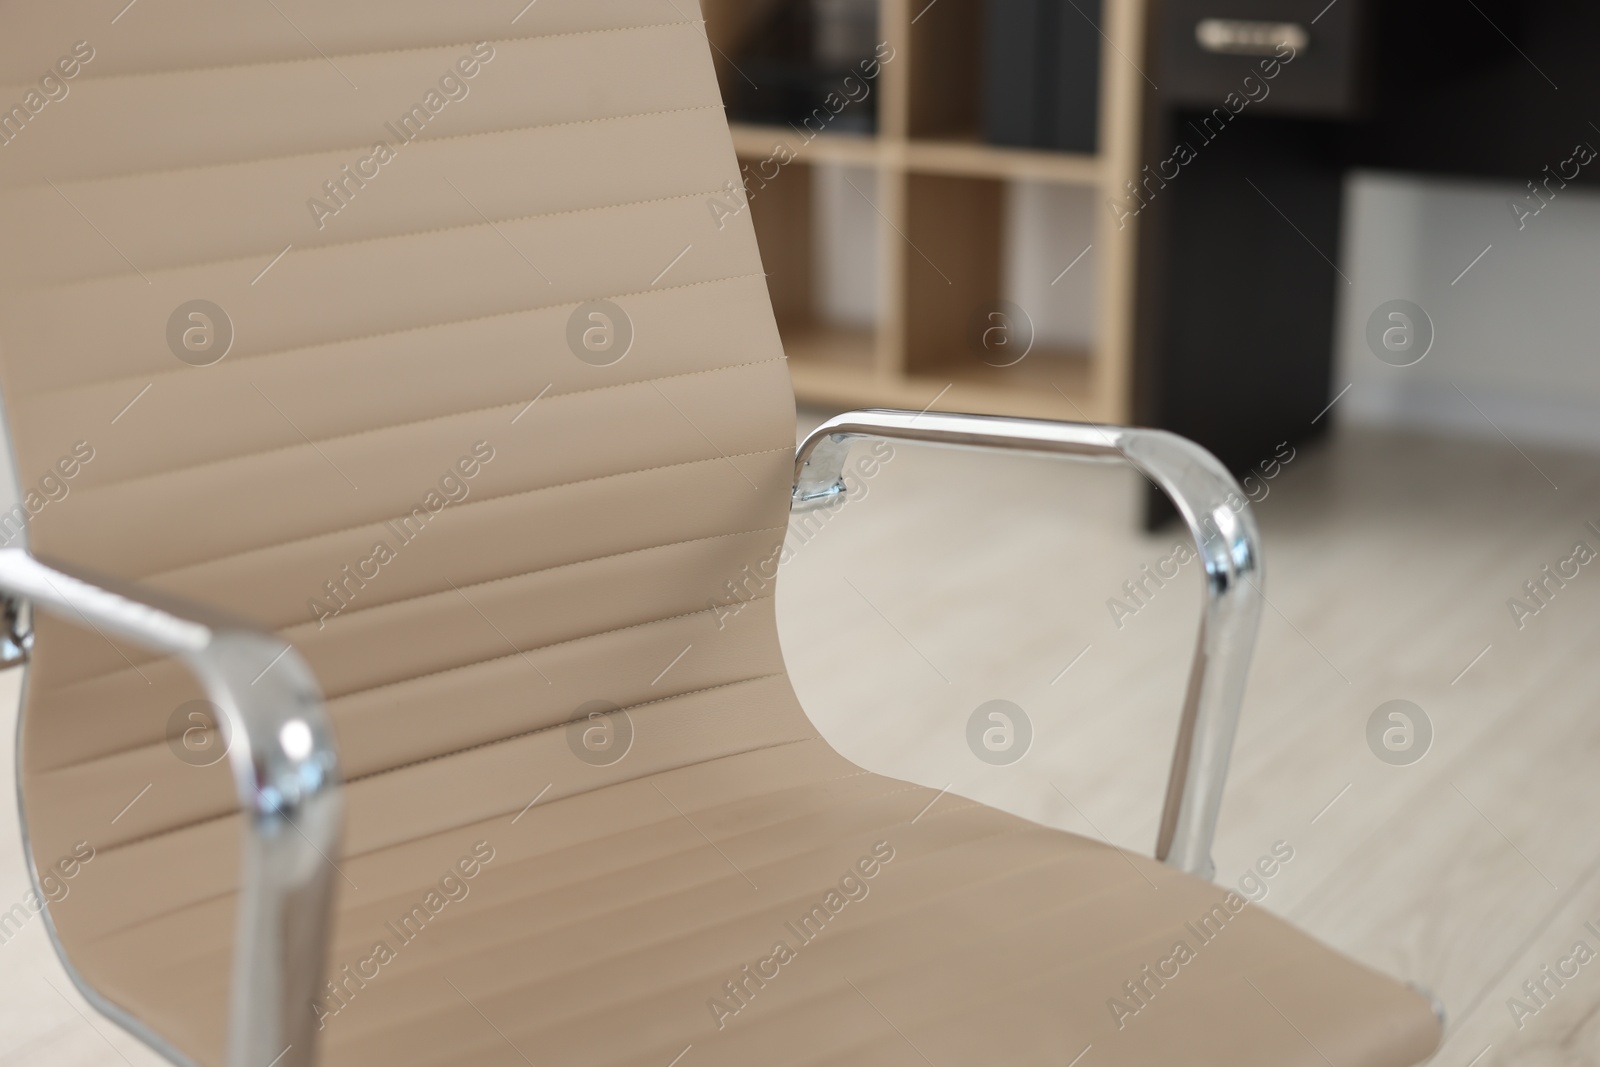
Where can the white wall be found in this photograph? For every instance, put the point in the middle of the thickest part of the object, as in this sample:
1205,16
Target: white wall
845,227
1047,227
1518,334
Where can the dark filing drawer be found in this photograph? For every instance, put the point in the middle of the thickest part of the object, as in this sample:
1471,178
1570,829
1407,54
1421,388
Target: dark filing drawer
1302,57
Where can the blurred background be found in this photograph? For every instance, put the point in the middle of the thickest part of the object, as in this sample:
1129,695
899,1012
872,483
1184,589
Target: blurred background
1183,213
1347,246
1351,248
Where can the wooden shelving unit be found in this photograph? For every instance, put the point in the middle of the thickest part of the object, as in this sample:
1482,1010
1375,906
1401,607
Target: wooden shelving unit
939,204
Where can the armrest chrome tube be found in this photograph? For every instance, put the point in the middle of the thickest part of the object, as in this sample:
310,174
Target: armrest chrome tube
1225,534
286,772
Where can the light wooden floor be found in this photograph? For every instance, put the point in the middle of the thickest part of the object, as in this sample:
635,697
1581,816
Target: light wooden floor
957,579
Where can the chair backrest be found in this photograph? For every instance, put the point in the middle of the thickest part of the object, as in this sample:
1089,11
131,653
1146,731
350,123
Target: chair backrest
406,329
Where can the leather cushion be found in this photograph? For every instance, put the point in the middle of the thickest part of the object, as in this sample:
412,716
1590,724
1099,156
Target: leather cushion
608,925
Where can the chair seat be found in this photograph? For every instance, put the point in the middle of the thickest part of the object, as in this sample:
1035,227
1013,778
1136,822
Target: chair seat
783,907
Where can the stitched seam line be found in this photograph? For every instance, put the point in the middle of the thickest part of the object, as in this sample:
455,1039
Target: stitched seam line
291,627
423,421
423,327
529,651
562,566
423,139
263,64
485,500
367,690
701,763
354,856
948,811
468,504
909,788
334,246
374,774
354,693
556,726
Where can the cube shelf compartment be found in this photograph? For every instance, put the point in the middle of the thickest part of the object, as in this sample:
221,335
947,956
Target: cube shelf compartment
939,200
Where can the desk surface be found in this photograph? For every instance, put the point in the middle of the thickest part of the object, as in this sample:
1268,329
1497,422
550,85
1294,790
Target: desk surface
1490,88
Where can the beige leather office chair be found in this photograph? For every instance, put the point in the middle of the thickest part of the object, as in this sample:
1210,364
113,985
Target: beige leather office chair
482,423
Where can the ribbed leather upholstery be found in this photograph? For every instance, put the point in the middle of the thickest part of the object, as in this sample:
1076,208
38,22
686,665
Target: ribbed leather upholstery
416,342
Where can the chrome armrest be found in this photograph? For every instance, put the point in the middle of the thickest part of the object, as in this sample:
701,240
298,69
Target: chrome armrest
286,772
1225,534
